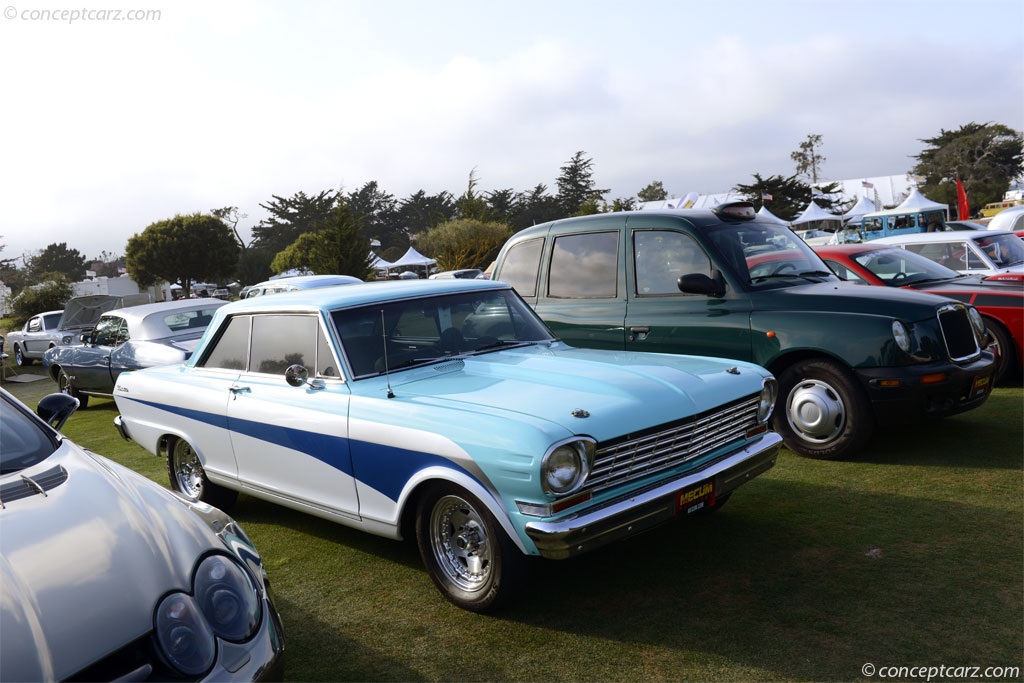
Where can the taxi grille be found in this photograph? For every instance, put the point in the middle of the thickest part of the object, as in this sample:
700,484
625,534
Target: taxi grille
958,332
666,446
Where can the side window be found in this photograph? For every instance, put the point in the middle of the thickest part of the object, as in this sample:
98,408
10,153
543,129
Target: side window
326,366
661,256
585,266
282,340
231,349
522,263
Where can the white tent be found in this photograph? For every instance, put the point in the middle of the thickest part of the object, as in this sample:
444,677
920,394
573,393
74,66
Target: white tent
918,202
863,206
818,216
764,214
412,260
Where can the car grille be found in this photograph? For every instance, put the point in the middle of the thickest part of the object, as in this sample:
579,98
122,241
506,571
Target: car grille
666,446
958,332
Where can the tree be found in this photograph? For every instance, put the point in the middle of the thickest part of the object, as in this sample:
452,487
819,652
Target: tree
471,205
336,247
182,250
291,217
377,212
464,243
785,197
419,212
809,158
536,206
51,295
576,184
654,192
621,204
986,158
57,258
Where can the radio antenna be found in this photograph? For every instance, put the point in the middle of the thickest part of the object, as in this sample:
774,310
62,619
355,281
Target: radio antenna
384,341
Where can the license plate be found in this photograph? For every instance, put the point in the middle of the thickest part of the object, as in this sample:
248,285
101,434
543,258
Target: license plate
695,498
979,386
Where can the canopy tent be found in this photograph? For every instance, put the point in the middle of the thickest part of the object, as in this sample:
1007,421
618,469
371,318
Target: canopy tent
816,217
412,260
916,202
378,263
764,214
863,206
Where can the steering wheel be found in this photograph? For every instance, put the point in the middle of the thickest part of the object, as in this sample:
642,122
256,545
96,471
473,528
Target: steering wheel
783,267
899,276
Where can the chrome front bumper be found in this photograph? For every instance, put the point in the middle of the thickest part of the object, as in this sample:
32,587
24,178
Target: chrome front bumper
639,511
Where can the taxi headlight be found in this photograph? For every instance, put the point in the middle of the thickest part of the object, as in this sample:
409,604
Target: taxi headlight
978,322
769,392
901,335
566,465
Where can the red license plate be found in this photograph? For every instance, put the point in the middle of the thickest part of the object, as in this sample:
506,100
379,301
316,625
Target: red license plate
980,386
695,498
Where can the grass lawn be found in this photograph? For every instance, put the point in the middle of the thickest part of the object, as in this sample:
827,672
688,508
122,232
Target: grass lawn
909,555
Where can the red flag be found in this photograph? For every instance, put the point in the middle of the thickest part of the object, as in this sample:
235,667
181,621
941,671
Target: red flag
962,206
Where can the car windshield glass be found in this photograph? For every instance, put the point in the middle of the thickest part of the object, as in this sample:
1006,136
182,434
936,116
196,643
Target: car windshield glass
765,256
23,440
1005,249
400,334
899,267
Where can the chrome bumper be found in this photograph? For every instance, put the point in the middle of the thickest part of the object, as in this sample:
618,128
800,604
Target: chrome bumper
121,428
630,515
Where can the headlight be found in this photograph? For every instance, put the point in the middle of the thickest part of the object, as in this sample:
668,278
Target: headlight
223,603
900,334
769,392
979,324
565,466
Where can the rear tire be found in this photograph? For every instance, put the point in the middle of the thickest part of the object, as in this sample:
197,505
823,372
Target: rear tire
822,412
66,387
188,477
470,558
20,358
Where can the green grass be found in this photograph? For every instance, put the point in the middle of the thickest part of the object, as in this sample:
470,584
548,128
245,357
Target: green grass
909,555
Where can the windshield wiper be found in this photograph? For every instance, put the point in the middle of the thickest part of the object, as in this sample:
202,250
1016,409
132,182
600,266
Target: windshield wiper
502,343
808,275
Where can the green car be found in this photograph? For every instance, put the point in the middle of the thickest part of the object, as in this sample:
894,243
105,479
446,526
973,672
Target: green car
722,283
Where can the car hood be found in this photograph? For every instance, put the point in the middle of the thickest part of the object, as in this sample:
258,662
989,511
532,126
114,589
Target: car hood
618,391
84,311
83,566
829,297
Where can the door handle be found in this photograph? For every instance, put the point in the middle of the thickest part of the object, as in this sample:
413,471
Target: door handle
236,390
638,333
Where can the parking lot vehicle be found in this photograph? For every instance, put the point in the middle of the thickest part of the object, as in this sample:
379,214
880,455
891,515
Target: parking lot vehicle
723,283
446,411
41,333
107,575
128,339
291,284
972,252
1000,301
464,274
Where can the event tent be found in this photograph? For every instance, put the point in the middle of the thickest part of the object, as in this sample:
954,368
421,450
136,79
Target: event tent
412,259
817,216
863,206
916,202
764,214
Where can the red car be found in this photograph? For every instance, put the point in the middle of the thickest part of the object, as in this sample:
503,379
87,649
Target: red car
999,300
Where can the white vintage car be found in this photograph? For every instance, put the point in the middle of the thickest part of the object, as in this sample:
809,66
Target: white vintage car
446,410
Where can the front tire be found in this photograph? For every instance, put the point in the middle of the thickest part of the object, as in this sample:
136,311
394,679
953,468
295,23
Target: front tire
822,412
66,387
189,478
470,558
1007,350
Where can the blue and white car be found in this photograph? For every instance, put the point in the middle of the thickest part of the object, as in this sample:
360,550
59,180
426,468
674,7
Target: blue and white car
446,410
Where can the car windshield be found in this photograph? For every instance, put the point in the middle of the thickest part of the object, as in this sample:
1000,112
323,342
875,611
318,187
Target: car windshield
400,334
764,256
1005,249
23,440
899,267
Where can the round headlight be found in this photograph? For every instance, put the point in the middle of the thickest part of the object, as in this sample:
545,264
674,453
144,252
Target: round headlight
978,322
900,334
184,637
227,598
566,466
769,392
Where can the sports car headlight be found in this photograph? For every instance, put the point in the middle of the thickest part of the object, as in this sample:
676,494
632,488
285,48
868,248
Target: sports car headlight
566,465
223,603
769,392
900,334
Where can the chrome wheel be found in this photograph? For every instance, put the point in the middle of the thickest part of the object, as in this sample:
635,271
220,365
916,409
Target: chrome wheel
460,543
187,471
19,356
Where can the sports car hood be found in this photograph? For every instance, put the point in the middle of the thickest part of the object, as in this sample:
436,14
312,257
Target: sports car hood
83,566
84,311
619,391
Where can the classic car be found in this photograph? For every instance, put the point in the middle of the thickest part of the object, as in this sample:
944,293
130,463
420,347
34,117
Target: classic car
291,284
972,252
1000,301
38,334
107,575
129,339
724,282
446,411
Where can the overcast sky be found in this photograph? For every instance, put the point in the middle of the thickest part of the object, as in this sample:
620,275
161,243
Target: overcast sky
109,125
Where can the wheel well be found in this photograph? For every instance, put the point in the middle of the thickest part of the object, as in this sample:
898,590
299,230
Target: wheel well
407,521
54,372
782,362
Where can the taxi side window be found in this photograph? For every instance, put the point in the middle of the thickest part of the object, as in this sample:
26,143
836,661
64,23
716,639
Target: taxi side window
585,266
521,266
661,257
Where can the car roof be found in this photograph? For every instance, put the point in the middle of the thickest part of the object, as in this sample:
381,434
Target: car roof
1007,219
358,295
301,281
945,236
698,217
134,314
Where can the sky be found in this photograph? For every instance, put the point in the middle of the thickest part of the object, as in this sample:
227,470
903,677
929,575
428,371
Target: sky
111,122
